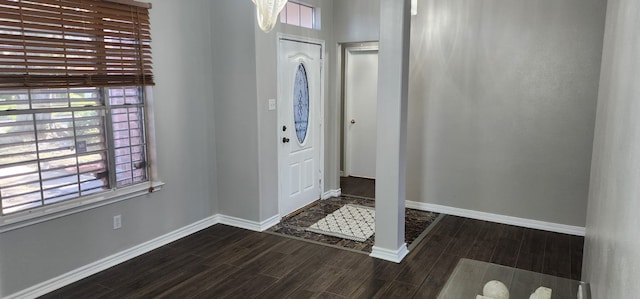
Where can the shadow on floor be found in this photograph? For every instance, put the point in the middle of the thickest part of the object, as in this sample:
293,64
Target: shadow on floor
358,186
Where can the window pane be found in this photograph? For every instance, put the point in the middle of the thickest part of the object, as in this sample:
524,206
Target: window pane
298,15
49,98
130,165
19,172
83,97
301,103
306,16
128,139
93,173
20,187
89,128
48,157
125,95
17,139
283,15
55,134
293,13
14,100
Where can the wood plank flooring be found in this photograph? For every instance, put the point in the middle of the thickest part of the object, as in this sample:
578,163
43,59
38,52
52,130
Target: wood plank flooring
358,186
227,262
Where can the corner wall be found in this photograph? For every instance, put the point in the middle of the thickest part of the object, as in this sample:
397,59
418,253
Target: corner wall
184,127
611,260
235,111
502,98
502,105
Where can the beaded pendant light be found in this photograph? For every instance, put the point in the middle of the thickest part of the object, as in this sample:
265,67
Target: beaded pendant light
267,12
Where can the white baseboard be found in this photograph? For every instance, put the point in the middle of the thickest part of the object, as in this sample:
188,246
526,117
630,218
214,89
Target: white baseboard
332,193
395,256
248,224
523,222
123,256
110,261
390,255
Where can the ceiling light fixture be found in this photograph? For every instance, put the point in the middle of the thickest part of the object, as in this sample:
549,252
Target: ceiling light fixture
267,12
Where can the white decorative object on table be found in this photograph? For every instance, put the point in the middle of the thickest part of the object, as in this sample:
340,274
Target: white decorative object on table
496,290
541,293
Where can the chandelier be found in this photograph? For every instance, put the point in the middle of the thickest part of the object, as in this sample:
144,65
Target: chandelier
267,12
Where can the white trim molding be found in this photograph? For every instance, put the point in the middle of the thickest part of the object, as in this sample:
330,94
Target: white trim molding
248,224
523,222
110,261
123,256
395,256
332,193
46,213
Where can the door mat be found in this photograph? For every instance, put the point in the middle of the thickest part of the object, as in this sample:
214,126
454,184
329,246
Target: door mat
351,222
417,224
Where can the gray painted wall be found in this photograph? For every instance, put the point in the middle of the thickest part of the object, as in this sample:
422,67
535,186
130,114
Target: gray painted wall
184,129
502,102
611,261
356,20
235,111
502,105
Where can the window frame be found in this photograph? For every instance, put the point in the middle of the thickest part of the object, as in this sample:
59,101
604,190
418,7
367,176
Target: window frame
52,211
315,15
112,193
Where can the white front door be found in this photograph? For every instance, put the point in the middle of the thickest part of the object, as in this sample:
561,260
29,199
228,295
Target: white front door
299,124
361,97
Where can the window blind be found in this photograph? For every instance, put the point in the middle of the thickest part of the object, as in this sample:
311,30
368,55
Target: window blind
74,43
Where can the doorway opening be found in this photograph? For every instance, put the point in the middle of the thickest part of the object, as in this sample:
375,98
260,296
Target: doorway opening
359,73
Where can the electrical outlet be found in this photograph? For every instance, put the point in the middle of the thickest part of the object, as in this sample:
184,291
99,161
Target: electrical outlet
117,221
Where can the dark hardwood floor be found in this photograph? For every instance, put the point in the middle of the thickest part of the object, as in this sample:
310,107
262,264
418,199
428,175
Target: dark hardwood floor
358,186
226,262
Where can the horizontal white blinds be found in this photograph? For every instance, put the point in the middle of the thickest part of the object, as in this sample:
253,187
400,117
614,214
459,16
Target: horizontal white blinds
73,43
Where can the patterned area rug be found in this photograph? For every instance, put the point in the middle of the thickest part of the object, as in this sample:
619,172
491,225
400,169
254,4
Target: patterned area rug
417,224
351,222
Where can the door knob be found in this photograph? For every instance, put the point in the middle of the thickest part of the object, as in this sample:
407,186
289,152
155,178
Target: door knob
285,139
353,121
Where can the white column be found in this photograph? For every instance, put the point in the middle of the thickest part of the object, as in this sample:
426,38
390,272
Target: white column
393,79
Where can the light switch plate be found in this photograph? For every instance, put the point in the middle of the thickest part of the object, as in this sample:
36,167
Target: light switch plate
272,104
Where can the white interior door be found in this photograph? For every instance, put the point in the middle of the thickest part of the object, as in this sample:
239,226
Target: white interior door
361,97
299,124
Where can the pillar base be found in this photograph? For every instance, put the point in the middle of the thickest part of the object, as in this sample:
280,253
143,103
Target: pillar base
395,256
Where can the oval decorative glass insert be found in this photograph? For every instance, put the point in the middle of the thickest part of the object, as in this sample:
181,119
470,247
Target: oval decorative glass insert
301,103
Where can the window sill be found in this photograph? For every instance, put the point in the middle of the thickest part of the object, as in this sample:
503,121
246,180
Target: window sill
42,214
